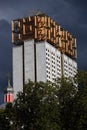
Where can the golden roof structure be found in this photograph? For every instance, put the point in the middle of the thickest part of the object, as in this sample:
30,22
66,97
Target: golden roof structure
41,27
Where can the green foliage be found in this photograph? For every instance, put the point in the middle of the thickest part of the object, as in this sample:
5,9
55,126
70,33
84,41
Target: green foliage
37,107
66,94
80,103
82,78
49,106
4,122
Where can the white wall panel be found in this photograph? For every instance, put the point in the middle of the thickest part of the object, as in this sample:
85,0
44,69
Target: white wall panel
29,61
17,69
41,61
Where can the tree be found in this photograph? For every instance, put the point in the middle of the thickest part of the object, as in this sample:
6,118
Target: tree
10,115
66,95
4,123
45,105
50,106
80,103
37,107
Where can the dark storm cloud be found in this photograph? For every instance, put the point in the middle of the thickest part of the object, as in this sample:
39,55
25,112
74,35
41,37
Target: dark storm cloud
10,10
5,54
13,9
17,8
70,14
81,7
77,25
78,2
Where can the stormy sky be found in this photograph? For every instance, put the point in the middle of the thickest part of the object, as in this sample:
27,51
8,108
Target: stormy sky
70,14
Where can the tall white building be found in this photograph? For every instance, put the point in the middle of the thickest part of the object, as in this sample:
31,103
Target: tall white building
37,55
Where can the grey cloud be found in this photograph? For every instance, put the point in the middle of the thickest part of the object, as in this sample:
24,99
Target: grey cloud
12,9
5,54
70,14
78,2
81,7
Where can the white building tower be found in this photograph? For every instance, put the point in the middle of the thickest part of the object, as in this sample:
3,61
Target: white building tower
42,51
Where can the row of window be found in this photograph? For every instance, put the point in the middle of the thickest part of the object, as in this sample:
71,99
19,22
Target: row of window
52,61
58,68
54,73
51,52
66,75
53,55
69,73
53,58
70,68
48,66
70,65
53,76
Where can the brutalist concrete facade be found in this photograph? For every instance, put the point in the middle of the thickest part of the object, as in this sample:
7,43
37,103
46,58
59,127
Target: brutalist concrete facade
42,51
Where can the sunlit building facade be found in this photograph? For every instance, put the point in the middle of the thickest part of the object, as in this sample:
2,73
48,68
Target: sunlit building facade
42,51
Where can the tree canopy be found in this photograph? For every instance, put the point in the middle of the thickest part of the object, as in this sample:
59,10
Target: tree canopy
49,106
